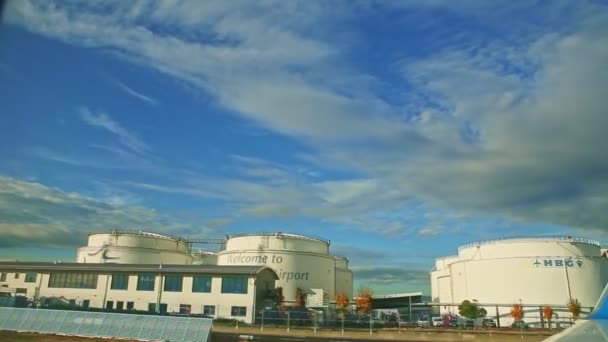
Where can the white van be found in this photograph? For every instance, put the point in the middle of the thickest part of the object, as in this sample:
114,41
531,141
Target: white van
437,321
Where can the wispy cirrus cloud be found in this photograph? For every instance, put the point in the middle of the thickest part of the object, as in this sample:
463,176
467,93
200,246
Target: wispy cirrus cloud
102,120
136,94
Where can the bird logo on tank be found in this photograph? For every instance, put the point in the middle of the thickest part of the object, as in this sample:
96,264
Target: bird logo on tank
558,263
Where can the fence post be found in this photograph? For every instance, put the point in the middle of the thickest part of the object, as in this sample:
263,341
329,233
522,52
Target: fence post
371,323
288,316
542,317
497,318
262,325
342,324
314,317
236,327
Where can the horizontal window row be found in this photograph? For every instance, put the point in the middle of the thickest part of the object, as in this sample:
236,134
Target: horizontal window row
29,277
186,309
73,280
145,282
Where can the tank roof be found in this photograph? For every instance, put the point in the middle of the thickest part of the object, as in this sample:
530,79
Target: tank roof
141,233
565,238
279,234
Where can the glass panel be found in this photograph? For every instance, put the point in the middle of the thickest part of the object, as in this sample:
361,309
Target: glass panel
201,284
238,311
234,284
31,277
173,283
73,280
145,282
120,282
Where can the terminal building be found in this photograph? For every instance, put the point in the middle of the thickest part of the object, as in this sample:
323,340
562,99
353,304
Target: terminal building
151,272
533,272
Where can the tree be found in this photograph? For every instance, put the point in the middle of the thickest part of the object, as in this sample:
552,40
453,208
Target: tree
300,298
575,308
342,303
470,309
276,296
517,312
548,314
364,300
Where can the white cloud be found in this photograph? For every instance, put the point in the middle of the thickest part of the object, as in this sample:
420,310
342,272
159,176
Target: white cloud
136,94
104,121
32,214
514,127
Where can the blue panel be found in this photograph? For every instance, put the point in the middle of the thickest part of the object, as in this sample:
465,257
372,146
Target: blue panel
100,324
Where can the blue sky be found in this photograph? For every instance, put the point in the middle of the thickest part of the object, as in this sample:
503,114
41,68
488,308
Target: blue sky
398,130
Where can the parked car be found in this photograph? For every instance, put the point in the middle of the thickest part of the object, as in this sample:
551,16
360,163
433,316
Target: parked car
437,321
468,323
453,323
519,325
488,323
424,322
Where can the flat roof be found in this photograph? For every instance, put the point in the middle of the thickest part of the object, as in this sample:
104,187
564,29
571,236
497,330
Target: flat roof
397,295
135,268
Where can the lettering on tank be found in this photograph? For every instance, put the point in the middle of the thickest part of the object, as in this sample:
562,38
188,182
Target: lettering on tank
284,275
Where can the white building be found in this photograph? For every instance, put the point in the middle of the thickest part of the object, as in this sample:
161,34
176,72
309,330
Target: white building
300,262
218,291
135,270
532,271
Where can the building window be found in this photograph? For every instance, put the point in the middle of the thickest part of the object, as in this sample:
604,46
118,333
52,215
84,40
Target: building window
185,309
120,282
145,282
72,302
109,305
234,284
173,283
130,305
120,305
238,311
201,284
73,280
86,303
31,277
16,275
209,310
163,308
151,307
3,276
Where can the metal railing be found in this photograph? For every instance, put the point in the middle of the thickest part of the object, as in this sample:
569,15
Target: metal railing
105,324
523,238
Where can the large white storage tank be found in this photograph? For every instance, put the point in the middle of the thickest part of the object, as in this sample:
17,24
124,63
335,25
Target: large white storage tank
135,247
532,271
300,262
